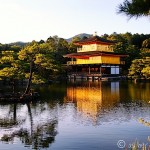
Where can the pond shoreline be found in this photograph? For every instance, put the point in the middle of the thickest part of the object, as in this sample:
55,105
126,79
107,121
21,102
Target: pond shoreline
19,97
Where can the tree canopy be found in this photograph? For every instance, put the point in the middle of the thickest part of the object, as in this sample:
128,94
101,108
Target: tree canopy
140,68
135,8
38,62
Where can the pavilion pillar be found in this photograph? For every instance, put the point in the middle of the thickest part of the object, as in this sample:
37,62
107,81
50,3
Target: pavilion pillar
89,70
76,69
100,71
71,60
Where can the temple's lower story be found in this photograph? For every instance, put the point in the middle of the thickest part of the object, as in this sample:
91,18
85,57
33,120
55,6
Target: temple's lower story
94,72
94,69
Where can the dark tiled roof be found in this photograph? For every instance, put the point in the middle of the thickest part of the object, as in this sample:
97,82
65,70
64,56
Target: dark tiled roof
94,39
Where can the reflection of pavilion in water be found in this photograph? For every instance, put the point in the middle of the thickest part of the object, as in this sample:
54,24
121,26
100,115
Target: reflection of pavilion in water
93,97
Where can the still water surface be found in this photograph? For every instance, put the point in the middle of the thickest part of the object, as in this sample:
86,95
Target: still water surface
79,116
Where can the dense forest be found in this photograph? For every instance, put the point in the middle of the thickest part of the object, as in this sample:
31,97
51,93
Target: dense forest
137,47
42,61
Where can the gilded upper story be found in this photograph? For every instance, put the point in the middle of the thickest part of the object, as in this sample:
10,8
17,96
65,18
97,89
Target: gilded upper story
95,47
95,43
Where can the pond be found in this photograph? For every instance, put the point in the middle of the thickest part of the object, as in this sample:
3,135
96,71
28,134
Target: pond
97,115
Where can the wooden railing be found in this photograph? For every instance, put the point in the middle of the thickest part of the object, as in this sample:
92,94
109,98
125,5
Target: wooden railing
122,62
71,62
75,62
98,48
79,50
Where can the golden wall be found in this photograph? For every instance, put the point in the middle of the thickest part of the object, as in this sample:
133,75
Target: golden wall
91,47
110,60
89,61
104,48
99,60
95,47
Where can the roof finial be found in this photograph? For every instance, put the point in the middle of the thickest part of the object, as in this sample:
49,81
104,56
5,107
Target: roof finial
95,33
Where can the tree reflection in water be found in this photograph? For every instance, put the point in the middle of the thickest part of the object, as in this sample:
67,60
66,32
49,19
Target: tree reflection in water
37,134
10,121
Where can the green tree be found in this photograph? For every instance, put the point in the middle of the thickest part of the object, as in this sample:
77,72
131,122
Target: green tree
140,68
53,43
135,8
59,47
146,72
62,47
35,62
116,37
72,46
146,43
145,50
39,60
10,67
130,50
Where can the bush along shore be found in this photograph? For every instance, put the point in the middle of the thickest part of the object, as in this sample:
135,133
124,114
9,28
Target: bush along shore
27,95
18,97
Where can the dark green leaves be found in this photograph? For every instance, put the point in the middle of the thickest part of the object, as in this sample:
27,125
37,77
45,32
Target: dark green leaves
135,8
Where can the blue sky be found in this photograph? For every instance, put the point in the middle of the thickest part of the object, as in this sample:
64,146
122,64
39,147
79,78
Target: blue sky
27,20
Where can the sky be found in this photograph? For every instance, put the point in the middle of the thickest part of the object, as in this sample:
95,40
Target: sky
27,20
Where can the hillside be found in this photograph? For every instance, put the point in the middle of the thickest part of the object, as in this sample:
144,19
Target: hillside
78,35
21,44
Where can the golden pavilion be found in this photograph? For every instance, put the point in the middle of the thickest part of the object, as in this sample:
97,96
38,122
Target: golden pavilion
95,57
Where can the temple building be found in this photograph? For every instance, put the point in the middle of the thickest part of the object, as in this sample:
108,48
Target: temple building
95,57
